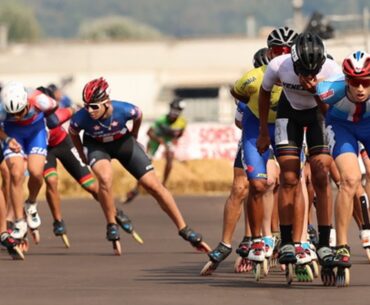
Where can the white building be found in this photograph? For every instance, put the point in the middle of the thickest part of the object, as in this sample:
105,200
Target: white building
149,73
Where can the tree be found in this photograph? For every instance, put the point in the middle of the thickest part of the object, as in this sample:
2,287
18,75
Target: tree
117,28
20,22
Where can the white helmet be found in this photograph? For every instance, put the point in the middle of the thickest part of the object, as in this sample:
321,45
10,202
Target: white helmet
14,97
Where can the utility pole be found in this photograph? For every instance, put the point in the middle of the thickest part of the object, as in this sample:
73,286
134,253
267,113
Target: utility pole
3,36
298,20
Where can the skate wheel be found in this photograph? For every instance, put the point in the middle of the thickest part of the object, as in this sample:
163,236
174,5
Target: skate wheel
309,273
36,236
289,273
208,268
137,237
304,273
237,264
343,277
203,247
248,265
265,267
257,271
368,253
347,277
117,247
16,253
65,241
328,277
282,267
315,269
24,245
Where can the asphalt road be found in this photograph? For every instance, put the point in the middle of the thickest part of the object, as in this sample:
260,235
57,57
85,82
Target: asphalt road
164,270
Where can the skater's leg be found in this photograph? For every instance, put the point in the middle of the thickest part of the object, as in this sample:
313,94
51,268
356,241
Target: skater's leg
320,166
350,180
53,197
164,198
35,165
234,204
169,156
104,173
16,169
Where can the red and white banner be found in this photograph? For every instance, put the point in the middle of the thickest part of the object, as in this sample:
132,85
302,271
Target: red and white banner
202,141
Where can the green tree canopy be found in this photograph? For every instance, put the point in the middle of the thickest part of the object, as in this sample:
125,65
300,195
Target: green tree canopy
20,21
117,28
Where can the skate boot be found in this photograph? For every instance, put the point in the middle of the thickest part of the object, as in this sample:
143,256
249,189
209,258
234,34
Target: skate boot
126,224
131,195
269,243
311,251
312,235
11,245
325,256
343,263
113,236
195,239
19,233
257,256
59,229
365,240
303,270
275,252
242,263
288,258
216,256
33,220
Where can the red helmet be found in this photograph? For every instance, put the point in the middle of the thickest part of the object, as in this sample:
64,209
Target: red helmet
357,65
95,91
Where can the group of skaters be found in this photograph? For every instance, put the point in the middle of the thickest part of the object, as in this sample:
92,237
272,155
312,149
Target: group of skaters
304,119
33,139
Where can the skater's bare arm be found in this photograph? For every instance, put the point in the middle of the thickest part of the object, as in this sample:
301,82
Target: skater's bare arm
136,125
78,144
151,134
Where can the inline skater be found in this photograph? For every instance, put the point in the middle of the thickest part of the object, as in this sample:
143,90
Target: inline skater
105,137
24,134
60,147
246,91
166,131
347,124
298,73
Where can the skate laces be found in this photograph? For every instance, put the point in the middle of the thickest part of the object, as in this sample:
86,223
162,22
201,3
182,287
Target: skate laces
268,241
31,208
343,254
220,251
258,247
191,236
326,255
287,249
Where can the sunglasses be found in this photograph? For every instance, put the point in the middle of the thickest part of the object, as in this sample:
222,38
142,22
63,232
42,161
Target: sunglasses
94,106
357,82
279,50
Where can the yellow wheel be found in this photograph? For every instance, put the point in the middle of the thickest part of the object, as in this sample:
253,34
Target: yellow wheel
65,241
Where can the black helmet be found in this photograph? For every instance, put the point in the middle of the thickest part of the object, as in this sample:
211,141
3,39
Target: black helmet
282,36
52,87
177,104
308,54
260,58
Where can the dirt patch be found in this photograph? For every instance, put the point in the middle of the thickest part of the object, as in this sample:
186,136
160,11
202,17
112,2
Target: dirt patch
187,178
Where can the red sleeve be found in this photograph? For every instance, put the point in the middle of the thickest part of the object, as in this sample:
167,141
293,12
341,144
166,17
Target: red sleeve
63,114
